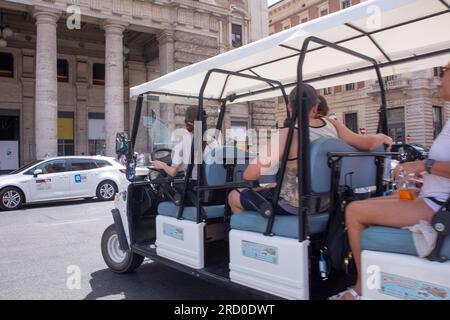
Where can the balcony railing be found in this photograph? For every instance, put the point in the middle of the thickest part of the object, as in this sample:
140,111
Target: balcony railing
390,85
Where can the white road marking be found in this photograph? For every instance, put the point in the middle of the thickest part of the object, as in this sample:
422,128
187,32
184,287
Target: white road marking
71,222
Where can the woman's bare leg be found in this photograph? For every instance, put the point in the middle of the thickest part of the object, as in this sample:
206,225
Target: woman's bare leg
393,213
234,200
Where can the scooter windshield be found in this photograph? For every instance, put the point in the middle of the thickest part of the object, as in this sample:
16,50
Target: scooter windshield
153,135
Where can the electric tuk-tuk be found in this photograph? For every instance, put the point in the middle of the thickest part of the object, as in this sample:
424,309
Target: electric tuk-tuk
279,256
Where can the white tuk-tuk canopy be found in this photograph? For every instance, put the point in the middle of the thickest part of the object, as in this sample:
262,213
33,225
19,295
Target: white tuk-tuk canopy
402,35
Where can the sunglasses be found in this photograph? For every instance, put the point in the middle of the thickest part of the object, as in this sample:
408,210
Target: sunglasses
442,71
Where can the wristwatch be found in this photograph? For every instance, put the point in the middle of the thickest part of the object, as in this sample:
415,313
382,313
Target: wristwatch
428,164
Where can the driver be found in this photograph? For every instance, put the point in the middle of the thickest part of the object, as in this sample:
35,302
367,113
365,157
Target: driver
181,153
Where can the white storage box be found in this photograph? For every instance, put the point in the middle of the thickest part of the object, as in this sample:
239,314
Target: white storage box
180,241
389,276
275,265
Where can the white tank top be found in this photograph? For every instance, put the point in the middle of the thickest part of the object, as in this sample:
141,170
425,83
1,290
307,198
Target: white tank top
328,130
435,186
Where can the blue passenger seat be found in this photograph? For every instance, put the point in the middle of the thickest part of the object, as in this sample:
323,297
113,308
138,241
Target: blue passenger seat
363,173
394,240
215,174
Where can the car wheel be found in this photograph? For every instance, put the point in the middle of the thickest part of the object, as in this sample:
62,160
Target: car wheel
106,190
116,259
11,198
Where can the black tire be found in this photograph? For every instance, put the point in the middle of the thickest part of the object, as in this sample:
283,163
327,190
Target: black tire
11,198
106,190
110,242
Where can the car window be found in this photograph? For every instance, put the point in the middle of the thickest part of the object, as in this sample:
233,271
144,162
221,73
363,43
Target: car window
26,167
52,166
102,163
81,164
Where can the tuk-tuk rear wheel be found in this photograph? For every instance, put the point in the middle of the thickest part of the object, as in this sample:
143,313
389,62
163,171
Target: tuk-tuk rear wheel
117,260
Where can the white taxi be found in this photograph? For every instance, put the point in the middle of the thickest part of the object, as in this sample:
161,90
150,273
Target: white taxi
61,178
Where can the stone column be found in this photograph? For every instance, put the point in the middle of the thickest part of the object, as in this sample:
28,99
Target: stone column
46,96
137,74
114,102
82,85
166,65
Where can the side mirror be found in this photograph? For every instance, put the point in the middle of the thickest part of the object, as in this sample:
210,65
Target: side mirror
37,172
122,143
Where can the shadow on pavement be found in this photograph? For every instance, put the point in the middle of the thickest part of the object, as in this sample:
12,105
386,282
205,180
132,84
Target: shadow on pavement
58,203
154,281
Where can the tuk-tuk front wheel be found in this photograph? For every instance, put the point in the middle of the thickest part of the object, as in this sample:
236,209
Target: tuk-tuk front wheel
116,259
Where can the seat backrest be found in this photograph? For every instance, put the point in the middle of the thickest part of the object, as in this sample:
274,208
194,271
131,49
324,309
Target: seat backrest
215,171
357,172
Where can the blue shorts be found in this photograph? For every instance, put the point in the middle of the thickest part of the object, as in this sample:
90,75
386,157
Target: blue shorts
248,197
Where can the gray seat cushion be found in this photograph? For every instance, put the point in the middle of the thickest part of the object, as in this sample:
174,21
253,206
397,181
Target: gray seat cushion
284,226
394,240
169,209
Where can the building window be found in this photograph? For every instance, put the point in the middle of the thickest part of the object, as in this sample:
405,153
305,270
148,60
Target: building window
236,35
239,133
351,121
286,27
437,121
327,91
96,133
437,71
66,134
396,124
304,20
350,86
391,78
6,65
63,70
345,4
323,10
98,74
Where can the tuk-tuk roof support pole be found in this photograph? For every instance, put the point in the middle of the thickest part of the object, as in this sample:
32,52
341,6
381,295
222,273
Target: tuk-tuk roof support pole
282,170
304,149
382,119
223,108
137,118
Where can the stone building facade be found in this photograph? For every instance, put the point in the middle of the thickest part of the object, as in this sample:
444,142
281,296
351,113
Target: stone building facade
64,83
415,111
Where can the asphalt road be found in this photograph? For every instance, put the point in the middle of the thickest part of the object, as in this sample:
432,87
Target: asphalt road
43,249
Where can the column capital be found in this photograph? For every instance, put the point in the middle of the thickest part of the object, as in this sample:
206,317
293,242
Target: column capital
165,36
46,15
114,27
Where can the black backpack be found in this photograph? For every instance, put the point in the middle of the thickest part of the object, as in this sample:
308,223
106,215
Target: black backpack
336,247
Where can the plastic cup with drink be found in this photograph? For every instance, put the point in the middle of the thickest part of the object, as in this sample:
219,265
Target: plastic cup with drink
407,185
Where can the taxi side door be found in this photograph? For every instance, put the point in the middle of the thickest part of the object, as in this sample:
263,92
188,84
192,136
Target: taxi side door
83,173
52,183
